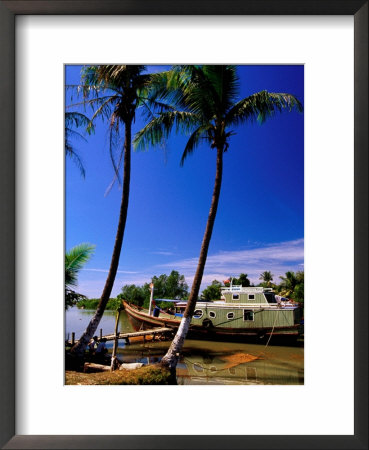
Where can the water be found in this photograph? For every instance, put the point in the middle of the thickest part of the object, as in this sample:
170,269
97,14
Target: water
204,362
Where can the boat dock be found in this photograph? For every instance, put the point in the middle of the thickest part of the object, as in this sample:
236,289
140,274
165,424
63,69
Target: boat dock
154,332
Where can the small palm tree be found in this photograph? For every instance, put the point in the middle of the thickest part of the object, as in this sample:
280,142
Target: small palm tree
114,93
288,284
203,101
266,277
75,259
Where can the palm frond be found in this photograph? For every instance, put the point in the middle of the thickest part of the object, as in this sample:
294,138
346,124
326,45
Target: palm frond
261,106
114,141
75,119
71,152
160,128
226,85
193,141
75,259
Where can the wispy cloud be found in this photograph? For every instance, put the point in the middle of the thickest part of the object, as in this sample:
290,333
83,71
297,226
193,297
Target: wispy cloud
162,253
278,258
106,270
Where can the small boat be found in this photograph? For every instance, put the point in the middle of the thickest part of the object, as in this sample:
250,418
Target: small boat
241,312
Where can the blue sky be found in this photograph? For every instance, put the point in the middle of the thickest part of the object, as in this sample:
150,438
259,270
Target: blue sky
260,219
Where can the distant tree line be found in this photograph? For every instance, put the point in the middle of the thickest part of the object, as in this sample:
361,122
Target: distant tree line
174,287
91,303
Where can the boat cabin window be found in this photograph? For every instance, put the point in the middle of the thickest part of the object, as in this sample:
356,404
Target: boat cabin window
251,296
198,314
235,296
230,316
248,315
270,296
212,315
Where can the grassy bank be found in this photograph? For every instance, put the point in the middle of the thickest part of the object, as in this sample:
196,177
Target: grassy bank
145,375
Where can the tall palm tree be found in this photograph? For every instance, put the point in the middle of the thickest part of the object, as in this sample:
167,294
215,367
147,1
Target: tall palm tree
75,120
266,277
203,101
114,93
75,259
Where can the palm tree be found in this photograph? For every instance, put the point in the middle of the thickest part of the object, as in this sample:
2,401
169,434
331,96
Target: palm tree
75,120
75,259
203,101
266,277
288,284
114,93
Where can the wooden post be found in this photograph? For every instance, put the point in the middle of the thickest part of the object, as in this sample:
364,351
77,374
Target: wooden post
73,337
151,297
100,334
113,356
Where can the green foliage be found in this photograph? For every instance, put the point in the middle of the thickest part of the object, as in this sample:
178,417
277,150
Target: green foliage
292,286
266,276
114,303
171,286
212,292
241,280
91,303
75,259
134,294
72,298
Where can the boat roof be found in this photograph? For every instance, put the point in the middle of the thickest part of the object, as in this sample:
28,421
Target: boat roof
249,289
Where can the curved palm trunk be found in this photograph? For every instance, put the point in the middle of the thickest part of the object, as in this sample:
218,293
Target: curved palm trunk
80,346
171,358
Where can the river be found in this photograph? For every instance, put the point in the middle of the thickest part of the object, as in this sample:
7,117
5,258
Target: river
204,362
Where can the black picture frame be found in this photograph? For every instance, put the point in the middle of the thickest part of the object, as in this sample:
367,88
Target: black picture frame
8,12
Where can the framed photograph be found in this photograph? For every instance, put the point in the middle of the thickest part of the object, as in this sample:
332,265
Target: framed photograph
319,52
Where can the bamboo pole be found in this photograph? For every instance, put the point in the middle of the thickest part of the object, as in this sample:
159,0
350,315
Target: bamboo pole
116,334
